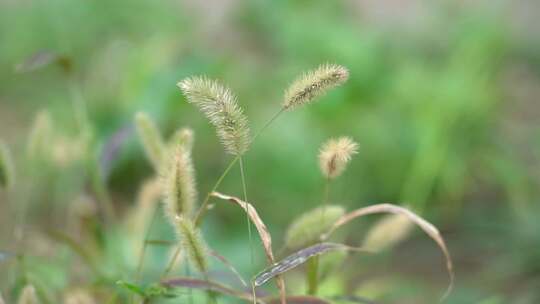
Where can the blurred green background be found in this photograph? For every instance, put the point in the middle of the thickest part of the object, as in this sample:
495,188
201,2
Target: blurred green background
442,98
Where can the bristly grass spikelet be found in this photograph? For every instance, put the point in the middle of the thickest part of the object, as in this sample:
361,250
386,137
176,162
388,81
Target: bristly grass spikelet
183,136
7,170
28,295
192,241
179,184
307,228
313,84
335,154
151,139
219,105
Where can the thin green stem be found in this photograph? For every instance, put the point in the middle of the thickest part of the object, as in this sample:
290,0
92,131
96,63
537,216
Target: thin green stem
145,245
244,187
312,273
140,263
267,124
204,207
171,263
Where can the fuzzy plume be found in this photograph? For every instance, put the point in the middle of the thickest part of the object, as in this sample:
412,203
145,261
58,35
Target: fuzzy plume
193,242
219,104
313,84
40,136
28,295
179,184
7,171
151,139
307,229
335,154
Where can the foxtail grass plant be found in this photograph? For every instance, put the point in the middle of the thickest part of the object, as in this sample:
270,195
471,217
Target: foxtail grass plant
219,105
334,156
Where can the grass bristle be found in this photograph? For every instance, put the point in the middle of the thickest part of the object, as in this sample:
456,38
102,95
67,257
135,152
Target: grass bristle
219,105
307,229
313,84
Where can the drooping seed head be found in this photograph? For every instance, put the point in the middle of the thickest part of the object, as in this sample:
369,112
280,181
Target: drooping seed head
150,138
387,232
313,84
7,171
179,184
307,228
335,154
28,295
193,243
219,105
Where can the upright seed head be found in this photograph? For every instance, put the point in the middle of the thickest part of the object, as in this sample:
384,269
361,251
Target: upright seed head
179,184
193,242
313,84
219,105
335,154
7,171
150,138
28,295
183,136
307,228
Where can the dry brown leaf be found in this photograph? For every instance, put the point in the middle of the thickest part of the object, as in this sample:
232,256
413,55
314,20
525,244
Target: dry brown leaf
428,228
263,234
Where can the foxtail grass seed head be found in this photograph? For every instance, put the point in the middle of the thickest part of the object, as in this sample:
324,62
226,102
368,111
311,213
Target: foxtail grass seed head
179,185
313,84
335,154
40,136
308,228
219,105
193,243
7,171
183,136
28,295
150,138
387,232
